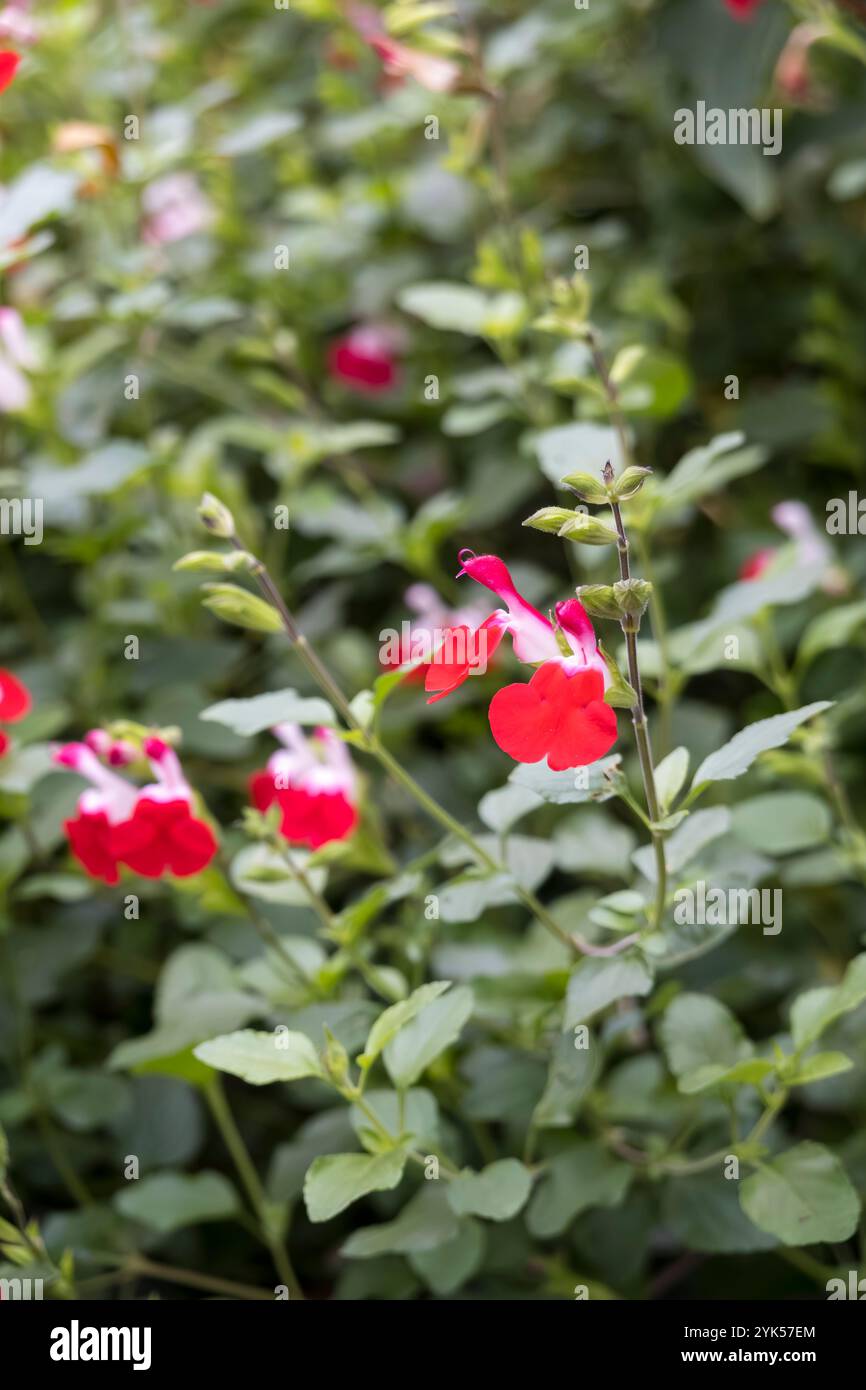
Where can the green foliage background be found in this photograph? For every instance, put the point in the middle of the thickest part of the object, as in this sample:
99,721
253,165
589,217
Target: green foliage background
716,261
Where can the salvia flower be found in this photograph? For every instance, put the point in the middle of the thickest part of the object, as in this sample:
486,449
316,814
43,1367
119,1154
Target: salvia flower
560,714
152,829
812,548
423,634
8,67
15,702
399,60
174,207
16,357
364,359
312,781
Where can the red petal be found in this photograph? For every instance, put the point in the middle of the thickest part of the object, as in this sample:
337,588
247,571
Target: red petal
190,848
520,723
15,699
4,743
8,67
91,841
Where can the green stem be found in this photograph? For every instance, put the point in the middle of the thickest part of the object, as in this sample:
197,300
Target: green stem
234,1142
641,728
375,748
266,932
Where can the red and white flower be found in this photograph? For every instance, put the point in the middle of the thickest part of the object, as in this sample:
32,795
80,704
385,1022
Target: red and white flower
560,714
399,59
313,782
364,359
813,548
152,830
422,635
15,702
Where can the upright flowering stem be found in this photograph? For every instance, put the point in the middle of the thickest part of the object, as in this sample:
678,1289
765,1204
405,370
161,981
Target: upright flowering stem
639,719
372,745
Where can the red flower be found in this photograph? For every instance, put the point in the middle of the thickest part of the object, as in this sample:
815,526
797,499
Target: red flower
8,67
363,359
756,564
15,702
313,783
742,9
91,839
164,837
561,713
151,830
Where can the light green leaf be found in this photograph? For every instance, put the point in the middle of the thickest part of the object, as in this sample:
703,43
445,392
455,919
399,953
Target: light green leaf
835,628
572,1073
782,822
579,446
168,1201
389,1023
428,1034
427,1221
818,1068
335,1181
582,1177
447,306
502,808
498,1192
737,757
600,980
260,1058
814,1011
447,1267
705,1044
261,712
802,1196
670,776
575,785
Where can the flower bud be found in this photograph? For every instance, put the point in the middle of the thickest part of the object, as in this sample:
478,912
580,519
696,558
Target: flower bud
216,517
632,596
214,561
336,1058
587,530
550,519
590,488
238,606
599,600
628,484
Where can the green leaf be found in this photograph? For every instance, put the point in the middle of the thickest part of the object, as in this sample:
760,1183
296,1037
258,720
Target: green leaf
802,1196
447,306
584,1176
574,785
428,1034
502,808
389,1023
238,606
498,1192
782,822
261,871
814,1011
707,469
335,1181
818,1068
168,1201
737,757
572,1073
670,776
835,628
598,981
583,446
447,1267
703,1211
426,1221
705,1045
261,1058
252,716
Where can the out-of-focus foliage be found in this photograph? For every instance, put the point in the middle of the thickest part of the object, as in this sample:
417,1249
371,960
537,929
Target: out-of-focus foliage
199,201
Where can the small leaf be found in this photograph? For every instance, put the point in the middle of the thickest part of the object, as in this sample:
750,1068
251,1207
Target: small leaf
247,717
498,1192
335,1181
389,1023
168,1201
737,756
600,980
261,1058
670,776
428,1034
814,1011
802,1196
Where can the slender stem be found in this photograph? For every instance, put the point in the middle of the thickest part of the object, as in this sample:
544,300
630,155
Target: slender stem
139,1265
267,934
641,728
375,748
234,1142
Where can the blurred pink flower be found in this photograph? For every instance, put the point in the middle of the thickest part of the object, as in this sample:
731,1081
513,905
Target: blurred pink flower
742,9
16,353
813,548
16,23
174,207
398,59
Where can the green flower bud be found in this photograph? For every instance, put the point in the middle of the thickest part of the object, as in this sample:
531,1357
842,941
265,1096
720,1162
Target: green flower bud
242,608
587,531
216,517
629,483
214,561
336,1058
550,519
632,596
590,488
599,600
